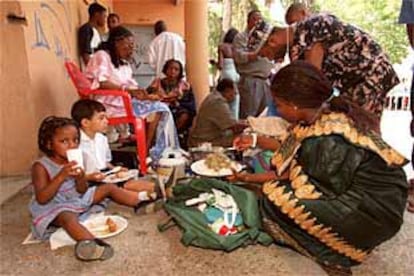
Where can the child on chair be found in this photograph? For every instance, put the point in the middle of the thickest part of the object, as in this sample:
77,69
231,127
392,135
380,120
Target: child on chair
61,191
92,121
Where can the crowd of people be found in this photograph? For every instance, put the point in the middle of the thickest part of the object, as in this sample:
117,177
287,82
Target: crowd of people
329,175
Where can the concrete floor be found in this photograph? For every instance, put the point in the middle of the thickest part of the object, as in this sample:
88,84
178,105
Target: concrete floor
142,249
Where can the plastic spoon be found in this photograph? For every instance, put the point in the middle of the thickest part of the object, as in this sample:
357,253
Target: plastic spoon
114,170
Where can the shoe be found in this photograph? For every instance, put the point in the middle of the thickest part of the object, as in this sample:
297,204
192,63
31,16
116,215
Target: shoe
333,270
93,250
149,207
410,200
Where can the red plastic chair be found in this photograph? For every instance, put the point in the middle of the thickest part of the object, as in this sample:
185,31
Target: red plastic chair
83,86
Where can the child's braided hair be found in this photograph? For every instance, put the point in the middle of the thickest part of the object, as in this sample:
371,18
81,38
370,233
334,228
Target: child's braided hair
47,130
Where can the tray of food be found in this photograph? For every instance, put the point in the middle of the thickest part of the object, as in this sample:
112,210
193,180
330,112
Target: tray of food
106,226
216,165
121,176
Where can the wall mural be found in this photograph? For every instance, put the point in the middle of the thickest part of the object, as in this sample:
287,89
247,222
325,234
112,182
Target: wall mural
52,30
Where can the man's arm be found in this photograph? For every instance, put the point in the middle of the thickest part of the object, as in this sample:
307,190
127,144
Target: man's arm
85,57
220,57
151,55
315,55
410,33
85,35
240,54
407,17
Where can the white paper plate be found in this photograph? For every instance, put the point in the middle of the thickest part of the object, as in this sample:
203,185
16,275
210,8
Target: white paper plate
98,227
199,167
112,178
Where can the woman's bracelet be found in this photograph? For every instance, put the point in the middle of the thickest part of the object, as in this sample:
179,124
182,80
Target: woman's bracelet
254,140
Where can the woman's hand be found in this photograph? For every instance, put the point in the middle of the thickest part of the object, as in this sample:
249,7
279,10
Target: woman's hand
140,94
170,99
153,97
243,142
241,176
254,177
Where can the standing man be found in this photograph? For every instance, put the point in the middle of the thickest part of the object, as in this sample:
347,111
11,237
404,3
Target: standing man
165,46
407,17
112,21
88,35
254,70
296,12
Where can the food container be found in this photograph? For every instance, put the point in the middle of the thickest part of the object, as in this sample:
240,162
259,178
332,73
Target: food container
177,163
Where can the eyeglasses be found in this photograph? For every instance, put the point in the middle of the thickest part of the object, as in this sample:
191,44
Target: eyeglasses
127,43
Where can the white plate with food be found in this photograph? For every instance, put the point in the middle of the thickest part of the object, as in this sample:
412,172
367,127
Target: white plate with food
216,165
121,176
106,226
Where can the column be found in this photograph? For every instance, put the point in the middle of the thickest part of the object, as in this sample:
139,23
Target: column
196,40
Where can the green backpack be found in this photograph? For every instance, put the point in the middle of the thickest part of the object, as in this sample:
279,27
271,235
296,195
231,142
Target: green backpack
195,227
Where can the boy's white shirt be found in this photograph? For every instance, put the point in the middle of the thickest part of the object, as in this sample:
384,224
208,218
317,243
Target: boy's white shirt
96,152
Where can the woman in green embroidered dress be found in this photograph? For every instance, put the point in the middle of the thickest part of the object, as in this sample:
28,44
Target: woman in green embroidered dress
337,190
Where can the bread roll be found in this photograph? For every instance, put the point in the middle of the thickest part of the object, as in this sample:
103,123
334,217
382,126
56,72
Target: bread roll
122,174
112,227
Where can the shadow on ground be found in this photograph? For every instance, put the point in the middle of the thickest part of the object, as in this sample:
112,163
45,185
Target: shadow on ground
142,249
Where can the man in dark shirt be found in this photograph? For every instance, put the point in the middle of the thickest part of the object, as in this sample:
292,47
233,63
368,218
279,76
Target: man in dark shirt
88,35
215,122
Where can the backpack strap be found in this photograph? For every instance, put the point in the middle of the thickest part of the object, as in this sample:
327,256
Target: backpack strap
164,226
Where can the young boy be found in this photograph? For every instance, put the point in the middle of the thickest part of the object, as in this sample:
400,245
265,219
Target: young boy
91,118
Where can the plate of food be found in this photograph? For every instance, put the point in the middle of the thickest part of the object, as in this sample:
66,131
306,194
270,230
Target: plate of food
216,165
106,226
121,176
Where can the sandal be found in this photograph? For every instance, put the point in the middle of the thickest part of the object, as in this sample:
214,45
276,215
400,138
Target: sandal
93,250
410,200
332,270
149,207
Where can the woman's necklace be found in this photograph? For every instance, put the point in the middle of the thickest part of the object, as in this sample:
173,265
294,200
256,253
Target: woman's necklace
169,84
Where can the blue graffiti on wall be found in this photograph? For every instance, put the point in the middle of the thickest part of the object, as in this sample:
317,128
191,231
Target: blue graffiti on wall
60,30
41,41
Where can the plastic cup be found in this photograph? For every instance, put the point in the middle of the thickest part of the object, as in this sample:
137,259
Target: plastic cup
75,155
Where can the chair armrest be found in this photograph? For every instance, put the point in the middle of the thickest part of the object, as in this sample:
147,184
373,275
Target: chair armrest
126,98
105,92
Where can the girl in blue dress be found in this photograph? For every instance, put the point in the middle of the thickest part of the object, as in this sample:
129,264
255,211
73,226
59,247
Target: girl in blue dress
61,192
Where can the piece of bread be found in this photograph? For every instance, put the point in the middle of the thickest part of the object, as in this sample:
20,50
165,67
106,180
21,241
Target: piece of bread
122,174
112,227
